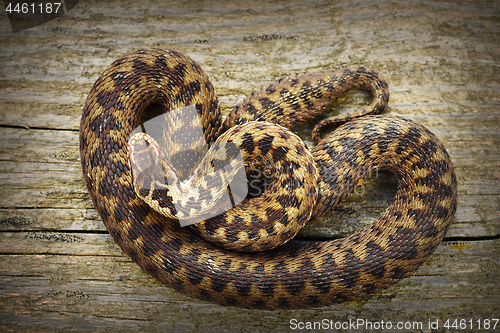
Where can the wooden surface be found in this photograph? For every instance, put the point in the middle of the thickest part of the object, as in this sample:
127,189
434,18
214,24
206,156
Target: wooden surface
61,271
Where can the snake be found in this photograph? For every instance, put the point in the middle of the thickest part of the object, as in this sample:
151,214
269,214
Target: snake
281,275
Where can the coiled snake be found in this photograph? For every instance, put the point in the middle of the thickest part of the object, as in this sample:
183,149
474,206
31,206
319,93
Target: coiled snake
289,276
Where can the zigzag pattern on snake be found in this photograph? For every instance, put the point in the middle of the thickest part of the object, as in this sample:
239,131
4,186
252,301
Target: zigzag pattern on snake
291,275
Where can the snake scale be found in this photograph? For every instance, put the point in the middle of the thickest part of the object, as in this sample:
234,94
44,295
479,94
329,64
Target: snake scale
292,275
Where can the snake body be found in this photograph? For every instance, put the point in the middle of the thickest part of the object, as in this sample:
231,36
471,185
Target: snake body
292,275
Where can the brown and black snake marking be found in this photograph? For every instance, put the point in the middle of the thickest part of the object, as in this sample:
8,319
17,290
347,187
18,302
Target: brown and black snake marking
249,226
293,275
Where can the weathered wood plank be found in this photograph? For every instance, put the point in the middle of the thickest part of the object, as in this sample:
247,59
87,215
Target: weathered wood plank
57,243
50,219
44,166
99,292
60,271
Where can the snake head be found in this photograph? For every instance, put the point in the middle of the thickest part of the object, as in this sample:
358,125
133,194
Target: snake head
200,196
151,174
